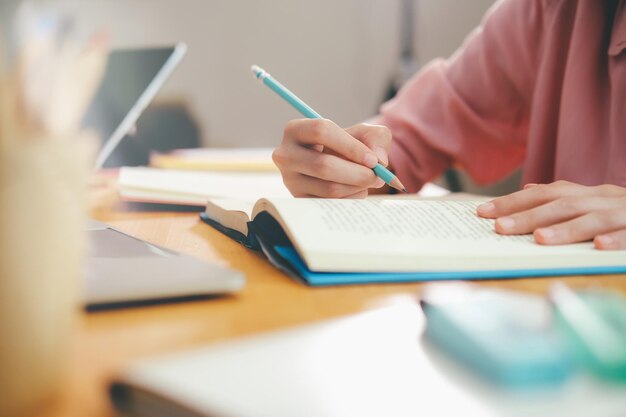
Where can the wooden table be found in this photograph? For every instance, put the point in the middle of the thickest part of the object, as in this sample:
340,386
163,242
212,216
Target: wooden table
107,340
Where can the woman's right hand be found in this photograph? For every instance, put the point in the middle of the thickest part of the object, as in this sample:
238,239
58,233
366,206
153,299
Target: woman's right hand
317,158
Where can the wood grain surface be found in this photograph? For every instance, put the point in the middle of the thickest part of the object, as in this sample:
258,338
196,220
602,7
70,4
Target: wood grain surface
107,340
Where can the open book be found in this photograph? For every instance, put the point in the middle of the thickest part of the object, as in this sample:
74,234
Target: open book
327,241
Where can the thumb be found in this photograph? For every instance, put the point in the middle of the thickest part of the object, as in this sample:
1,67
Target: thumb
375,137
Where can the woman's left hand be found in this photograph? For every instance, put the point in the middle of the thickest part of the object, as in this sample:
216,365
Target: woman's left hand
563,212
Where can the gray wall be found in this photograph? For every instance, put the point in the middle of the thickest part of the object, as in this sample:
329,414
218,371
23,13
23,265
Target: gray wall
338,55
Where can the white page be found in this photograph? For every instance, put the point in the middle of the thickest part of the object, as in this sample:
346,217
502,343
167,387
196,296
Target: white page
413,235
232,204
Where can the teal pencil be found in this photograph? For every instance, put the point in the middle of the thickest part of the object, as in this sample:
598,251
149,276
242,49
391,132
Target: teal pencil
380,171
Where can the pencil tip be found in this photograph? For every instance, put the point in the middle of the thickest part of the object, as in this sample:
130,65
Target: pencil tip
395,183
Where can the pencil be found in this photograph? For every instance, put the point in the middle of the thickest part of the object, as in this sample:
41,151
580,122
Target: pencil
380,170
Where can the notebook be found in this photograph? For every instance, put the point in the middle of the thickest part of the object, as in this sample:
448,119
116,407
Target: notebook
330,242
216,159
194,188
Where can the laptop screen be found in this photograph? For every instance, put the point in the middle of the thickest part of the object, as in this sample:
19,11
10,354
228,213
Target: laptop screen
131,80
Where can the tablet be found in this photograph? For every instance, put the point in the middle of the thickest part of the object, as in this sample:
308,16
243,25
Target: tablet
131,80
123,270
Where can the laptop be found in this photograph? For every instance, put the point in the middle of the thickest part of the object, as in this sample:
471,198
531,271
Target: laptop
123,270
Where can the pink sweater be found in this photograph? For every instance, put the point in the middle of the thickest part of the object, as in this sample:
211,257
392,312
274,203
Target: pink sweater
541,84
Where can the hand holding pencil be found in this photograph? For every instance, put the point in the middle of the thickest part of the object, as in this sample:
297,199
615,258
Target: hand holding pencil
317,158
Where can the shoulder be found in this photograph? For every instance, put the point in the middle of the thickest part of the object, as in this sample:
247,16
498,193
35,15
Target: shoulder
527,24
536,12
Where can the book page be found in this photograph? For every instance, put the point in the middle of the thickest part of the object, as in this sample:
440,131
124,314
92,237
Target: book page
432,220
409,235
231,213
233,204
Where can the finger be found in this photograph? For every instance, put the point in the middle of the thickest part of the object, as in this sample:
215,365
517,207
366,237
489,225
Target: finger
302,185
611,241
553,212
359,195
324,166
311,132
375,137
532,197
582,228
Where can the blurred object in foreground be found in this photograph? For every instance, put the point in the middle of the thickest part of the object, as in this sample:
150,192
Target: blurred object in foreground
594,321
41,254
44,164
506,337
371,364
52,81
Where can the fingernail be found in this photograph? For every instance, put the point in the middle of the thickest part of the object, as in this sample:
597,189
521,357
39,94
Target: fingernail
605,241
529,185
486,208
546,233
370,160
382,155
506,223
379,183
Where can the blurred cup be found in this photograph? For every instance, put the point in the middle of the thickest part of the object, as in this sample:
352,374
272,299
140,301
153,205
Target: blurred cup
45,160
42,189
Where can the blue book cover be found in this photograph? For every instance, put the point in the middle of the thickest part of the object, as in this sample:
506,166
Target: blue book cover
295,265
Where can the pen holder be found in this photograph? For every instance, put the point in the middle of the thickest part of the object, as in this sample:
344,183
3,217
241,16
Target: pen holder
41,258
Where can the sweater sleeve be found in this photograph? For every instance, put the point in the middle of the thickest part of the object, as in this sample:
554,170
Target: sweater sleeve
471,110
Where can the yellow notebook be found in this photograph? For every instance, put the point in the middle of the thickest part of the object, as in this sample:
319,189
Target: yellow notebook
216,159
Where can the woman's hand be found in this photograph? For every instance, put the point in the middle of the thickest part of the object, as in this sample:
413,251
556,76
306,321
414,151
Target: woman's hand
317,158
563,212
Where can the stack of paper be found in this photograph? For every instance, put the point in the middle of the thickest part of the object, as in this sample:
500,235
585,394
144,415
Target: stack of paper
194,188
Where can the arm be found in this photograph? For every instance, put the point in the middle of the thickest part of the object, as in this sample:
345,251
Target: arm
471,110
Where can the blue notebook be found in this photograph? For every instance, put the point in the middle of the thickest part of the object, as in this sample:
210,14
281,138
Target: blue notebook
335,242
